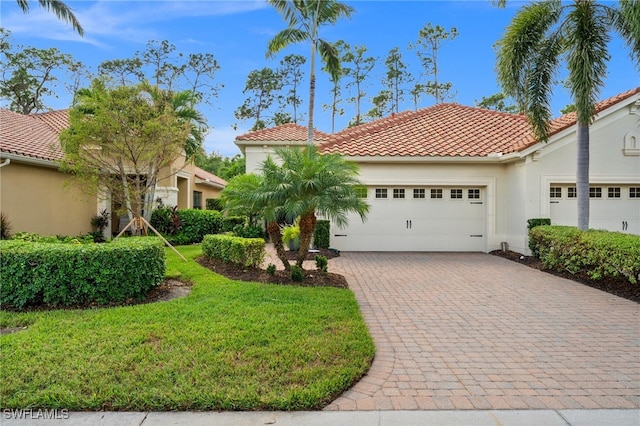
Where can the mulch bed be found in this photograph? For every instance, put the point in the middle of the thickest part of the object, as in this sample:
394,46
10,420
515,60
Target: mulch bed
618,286
312,278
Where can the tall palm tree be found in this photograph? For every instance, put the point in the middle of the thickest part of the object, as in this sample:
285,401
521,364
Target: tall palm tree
542,35
61,10
305,17
306,183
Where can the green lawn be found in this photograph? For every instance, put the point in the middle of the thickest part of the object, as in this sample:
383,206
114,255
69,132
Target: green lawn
229,345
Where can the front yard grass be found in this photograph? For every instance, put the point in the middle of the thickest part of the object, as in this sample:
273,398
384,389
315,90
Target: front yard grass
229,345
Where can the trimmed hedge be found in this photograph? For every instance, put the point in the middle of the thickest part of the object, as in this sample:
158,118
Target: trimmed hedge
599,254
321,235
214,204
77,274
242,251
193,224
532,223
230,222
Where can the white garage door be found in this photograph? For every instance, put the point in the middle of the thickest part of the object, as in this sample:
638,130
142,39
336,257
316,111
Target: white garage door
417,219
612,207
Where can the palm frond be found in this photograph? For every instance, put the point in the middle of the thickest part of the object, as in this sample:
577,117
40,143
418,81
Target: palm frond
61,10
330,57
284,38
626,21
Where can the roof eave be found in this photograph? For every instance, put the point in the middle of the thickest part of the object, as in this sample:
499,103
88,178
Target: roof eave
25,159
494,158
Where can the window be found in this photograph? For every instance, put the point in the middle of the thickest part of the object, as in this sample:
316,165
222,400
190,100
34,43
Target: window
456,194
613,192
418,193
361,191
398,192
474,194
595,192
197,200
436,193
634,192
381,192
572,192
555,192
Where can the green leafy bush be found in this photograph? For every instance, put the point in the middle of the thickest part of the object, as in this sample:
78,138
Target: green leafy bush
248,231
321,235
242,251
322,264
186,226
532,223
230,222
271,269
54,274
214,204
297,273
61,239
598,254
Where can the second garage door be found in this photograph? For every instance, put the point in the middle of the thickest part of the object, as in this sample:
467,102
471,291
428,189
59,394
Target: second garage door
417,219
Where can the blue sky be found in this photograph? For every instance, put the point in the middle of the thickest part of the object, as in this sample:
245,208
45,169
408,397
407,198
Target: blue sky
237,33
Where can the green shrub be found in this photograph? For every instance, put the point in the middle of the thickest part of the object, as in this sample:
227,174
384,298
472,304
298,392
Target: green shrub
297,273
248,231
36,273
214,204
230,222
532,223
598,254
322,264
186,226
61,239
271,269
321,235
242,251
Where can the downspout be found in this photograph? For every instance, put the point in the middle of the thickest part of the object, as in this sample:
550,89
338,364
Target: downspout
6,162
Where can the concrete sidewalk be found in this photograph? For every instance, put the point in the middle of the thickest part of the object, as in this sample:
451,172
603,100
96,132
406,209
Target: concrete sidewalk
336,418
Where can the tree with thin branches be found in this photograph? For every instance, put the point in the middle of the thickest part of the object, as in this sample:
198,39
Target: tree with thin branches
541,36
304,19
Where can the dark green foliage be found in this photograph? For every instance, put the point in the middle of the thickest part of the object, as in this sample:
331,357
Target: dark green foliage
53,274
322,264
271,269
187,226
98,225
230,222
214,204
35,238
532,223
249,231
599,254
321,235
297,273
242,251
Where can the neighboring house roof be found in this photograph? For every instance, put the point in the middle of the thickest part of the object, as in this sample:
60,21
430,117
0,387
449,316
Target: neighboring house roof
57,120
289,132
204,177
443,130
28,136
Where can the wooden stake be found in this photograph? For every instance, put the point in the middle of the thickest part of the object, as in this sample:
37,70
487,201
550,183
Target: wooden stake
139,221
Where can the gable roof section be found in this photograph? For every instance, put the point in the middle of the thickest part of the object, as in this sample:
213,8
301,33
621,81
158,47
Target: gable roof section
290,132
28,136
204,177
444,130
57,120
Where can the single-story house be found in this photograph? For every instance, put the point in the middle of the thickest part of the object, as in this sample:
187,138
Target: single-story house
458,178
36,197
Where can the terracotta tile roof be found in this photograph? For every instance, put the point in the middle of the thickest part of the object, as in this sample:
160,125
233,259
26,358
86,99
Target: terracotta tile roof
57,120
289,132
28,136
444,130
210,177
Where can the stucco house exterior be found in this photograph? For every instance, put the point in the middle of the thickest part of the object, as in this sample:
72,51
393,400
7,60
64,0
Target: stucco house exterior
459,178
37,197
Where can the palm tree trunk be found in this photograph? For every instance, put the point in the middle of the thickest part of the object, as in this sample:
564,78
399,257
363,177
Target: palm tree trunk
307,226
276,238
582,176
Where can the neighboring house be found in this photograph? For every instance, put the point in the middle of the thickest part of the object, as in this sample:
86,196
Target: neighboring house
458,178
37,197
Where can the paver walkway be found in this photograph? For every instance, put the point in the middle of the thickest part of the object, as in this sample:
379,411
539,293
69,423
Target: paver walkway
474,331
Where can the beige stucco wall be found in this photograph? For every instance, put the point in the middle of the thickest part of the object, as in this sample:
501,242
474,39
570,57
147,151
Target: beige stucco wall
35,200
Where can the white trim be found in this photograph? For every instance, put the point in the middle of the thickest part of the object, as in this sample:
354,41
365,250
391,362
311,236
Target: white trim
30,160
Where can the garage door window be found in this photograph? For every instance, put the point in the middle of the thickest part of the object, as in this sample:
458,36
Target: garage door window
381,192
613,192
418,193
398,192
361,191
595,192
634,192
555,192
571,192
456,194
474,194
436,193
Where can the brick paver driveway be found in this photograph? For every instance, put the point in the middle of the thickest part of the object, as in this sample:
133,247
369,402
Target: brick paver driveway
473,331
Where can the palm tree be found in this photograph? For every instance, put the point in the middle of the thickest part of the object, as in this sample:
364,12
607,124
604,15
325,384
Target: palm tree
61,10
539,37
304,18
306,183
